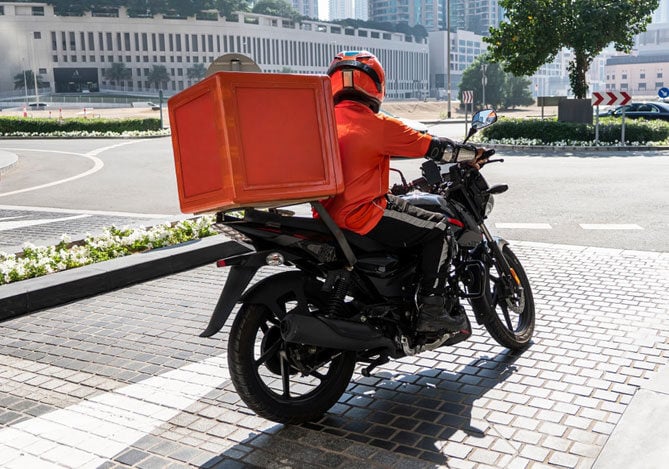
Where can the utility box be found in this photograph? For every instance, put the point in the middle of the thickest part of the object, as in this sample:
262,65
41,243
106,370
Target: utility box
254,140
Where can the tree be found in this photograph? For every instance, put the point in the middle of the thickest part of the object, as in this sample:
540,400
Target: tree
158,75
21,80
536,30
118,72
472,80
517,91
502,88
276,8
196,72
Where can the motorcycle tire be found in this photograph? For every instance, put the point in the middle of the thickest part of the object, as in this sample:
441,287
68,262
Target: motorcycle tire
264,373
510,324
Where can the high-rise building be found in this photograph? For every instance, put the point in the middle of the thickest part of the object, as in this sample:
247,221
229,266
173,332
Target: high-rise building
431,14
475,15
308,8
661,15
345,9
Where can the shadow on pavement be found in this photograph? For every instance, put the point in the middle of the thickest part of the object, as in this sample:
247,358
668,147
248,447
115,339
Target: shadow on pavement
387,419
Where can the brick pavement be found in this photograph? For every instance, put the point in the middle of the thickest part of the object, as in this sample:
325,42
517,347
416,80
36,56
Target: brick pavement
71,370
53,224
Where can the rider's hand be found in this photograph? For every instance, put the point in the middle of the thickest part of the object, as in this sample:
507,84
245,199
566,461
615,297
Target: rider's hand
480,159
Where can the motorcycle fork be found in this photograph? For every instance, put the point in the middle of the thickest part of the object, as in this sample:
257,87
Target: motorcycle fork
510,281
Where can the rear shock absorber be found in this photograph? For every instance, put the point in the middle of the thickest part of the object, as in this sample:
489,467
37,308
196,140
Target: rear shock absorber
337,284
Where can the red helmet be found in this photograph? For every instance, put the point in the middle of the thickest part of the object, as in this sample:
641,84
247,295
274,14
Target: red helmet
356,75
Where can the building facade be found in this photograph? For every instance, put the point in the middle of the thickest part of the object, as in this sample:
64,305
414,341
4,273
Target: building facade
431,14
641,75
475,15
465,47
308,8
75,54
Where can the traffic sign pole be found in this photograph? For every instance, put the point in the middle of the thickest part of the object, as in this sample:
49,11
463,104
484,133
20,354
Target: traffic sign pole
610,98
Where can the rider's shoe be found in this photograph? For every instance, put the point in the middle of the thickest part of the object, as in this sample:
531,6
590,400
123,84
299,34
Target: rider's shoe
434,315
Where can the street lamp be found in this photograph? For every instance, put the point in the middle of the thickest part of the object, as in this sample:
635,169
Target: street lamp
483,81
448,55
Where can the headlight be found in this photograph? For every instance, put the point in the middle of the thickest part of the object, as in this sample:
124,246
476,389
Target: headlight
489,205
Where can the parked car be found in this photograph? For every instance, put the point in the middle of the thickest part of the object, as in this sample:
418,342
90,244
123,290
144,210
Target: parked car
640,110
38,105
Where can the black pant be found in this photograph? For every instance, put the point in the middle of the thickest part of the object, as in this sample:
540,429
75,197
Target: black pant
405,225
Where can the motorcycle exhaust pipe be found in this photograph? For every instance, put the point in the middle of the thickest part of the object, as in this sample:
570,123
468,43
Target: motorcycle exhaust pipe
332,333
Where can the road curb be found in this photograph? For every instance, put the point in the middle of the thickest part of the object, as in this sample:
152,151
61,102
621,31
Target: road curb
7,160
38,293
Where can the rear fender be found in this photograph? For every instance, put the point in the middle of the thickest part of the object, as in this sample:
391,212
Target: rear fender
269,291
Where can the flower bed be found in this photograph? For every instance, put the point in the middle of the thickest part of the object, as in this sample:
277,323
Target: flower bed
114,242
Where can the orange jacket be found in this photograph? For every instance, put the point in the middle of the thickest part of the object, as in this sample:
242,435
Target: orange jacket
366,143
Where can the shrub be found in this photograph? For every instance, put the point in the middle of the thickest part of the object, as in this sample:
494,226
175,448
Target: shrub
40,125
550,131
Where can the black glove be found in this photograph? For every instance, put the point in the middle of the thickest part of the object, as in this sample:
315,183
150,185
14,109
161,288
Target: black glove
438,146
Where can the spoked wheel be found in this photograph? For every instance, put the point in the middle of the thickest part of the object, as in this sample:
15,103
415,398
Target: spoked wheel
507,307
280,381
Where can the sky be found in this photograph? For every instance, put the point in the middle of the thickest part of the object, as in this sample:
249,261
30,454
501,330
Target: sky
323,9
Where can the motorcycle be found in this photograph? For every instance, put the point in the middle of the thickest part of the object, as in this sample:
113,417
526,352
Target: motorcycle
345,299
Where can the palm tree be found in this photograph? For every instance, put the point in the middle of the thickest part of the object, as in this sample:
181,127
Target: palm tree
27,78
118,72
197,71
158,75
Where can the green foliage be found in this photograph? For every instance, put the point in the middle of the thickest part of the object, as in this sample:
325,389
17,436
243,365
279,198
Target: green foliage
536,30
418,31
502,89
118,72
279,8
147,8
38,125
550,131
20,81
158,75
197,71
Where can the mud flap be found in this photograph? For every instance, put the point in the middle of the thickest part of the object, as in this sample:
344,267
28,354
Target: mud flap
238,278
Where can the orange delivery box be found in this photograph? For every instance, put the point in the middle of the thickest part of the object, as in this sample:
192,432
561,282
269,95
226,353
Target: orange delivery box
257,140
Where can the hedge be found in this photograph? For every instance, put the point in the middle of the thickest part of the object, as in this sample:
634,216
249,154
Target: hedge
40,125
551,131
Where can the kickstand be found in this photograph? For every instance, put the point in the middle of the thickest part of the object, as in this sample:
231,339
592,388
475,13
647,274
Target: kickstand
367,372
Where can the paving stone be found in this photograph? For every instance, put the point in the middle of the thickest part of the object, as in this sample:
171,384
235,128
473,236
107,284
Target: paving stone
470,405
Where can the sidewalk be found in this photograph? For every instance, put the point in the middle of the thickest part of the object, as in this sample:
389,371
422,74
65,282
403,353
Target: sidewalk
590,392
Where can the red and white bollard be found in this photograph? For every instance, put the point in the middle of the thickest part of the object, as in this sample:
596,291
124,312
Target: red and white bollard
84,113
25,112
60,113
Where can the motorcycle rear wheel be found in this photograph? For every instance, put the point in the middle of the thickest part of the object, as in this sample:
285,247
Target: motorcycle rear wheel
510,322
265,373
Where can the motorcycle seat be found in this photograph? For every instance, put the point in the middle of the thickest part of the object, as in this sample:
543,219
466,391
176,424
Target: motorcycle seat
277,221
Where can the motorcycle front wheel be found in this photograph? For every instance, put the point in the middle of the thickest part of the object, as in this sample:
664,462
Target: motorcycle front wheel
509,318
280,381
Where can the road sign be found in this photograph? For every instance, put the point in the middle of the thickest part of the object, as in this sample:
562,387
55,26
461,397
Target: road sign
467,97
663,93
609,98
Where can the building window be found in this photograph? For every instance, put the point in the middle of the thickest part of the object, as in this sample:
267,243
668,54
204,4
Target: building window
55,58
54,41
38,11
91,41
37,35
659,74
2,10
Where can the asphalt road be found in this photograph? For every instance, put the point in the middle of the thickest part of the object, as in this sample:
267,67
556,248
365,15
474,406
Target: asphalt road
605,199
